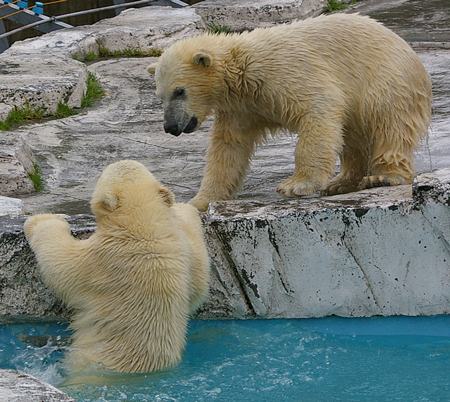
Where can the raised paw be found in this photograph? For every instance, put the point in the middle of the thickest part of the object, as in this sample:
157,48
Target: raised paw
33,221
294,187
381,180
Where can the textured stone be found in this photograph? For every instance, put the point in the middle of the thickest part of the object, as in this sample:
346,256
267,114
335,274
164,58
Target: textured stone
16,162
144,28
42,72
16,386
41,81
22,292
11,206
433,186
241,15
376,252
4,111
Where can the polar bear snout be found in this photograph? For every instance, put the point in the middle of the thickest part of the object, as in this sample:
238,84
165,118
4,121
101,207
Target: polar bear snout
173,127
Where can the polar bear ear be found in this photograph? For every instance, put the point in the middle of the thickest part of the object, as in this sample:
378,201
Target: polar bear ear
202,59
152,68
167,196
109,200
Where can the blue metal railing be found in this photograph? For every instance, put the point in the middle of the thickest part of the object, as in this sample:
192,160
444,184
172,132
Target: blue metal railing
35,17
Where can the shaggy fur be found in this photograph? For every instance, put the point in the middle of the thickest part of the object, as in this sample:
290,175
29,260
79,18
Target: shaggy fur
344,83
135,281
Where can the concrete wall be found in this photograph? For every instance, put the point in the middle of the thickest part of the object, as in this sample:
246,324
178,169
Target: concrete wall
382,251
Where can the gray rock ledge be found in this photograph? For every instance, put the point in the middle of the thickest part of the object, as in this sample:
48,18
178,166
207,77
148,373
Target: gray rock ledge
16,386
16,163
383,251
242,15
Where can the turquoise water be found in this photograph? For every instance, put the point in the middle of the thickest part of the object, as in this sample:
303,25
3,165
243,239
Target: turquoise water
330,359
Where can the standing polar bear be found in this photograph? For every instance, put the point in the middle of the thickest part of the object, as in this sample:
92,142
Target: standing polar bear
344,83
135,281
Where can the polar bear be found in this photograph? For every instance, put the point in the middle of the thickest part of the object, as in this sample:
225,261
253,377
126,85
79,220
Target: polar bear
345,84
135,281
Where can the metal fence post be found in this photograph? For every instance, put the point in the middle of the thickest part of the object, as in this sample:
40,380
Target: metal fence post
120,9
3,41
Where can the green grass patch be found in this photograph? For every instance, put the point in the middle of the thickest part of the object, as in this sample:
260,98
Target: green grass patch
93,92
20,115
90,56
36,178
64,110
217,29
129,52
334,5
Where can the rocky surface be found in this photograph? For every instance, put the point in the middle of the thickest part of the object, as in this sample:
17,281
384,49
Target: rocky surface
377,252
11,206
41,80
16,163
357,254
16,386
382,251
243,15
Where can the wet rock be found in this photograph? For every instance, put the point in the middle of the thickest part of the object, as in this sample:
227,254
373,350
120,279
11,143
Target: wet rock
16,386
422,23
433,186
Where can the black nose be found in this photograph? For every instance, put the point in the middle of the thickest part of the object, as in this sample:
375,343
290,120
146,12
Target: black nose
172,128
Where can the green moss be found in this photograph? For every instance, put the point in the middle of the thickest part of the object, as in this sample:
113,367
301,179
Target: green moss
129,52
36,178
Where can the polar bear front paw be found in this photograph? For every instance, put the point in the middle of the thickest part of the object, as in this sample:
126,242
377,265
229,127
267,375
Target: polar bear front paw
341,185
33,221
381,181
294,187
200,203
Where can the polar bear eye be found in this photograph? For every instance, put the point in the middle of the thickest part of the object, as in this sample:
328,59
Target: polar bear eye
179,92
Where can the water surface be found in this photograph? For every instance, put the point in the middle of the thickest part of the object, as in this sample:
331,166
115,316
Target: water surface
332,359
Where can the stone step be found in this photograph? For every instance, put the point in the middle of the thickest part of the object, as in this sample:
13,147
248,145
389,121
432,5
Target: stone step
383,251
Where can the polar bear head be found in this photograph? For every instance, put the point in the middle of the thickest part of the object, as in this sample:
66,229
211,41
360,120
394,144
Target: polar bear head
126,186
188,82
